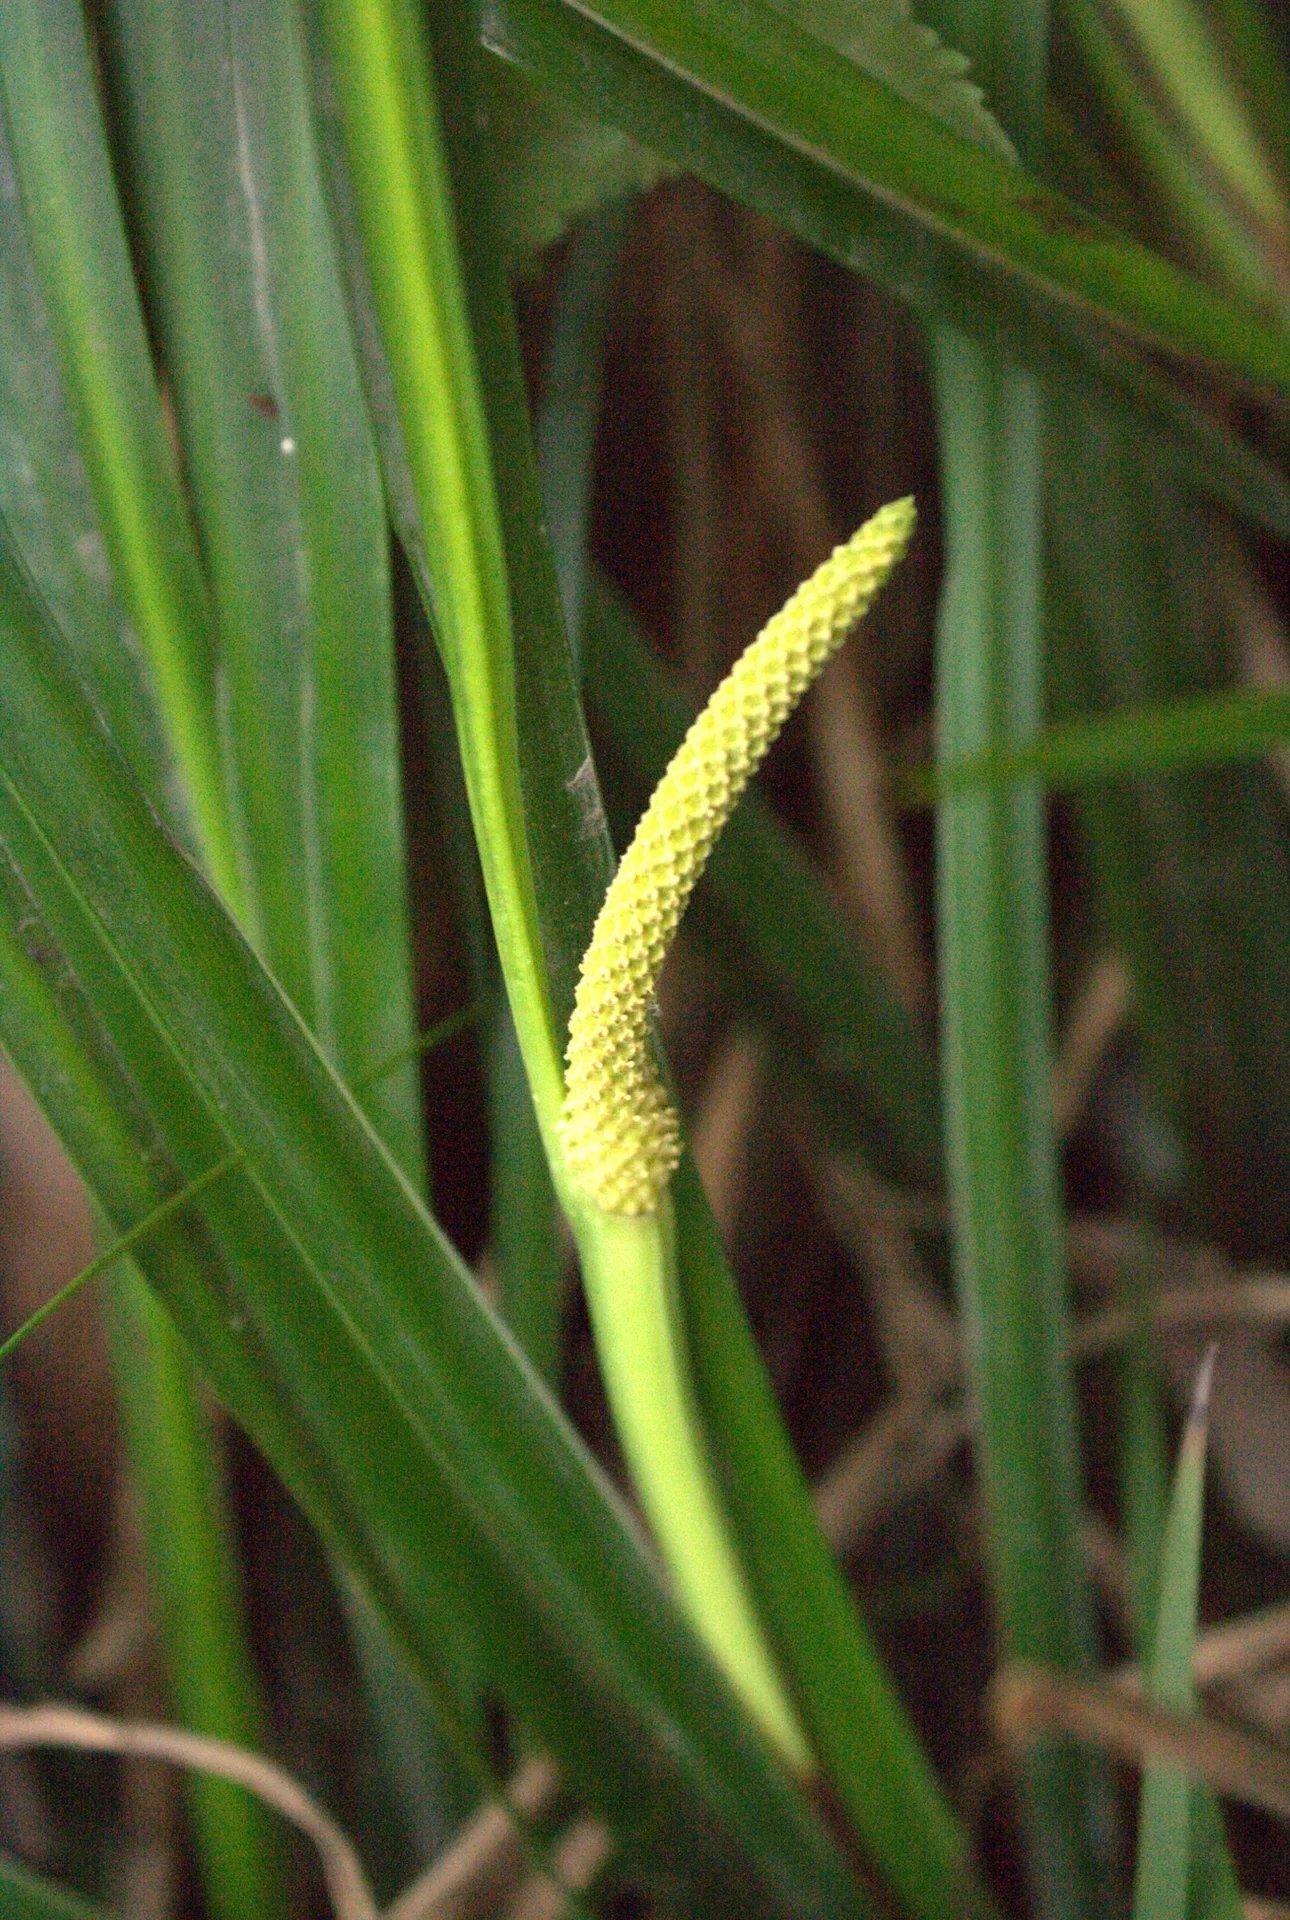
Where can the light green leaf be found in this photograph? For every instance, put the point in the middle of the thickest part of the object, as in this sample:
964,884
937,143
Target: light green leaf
1183,1864
884,41
810,188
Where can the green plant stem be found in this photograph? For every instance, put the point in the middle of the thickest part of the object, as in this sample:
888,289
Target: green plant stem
1007,1225
630,1277
382,62
1002,1166
861,1731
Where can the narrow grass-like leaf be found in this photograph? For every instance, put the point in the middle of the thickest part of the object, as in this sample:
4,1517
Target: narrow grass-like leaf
244,289
1197,730
1144,1473
339,930
75,228
996,1019
1257,57
1192,86
122,1245
301,551
1166,1842
74,238
822,104
882,1777
1006,1222
1211,222
175,1458
390,115
351,1341
829,209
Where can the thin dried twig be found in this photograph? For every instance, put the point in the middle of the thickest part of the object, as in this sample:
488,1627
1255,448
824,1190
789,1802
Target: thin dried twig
902,1448
487,1858
723,1123
917,1331
1100,1010
575,1861
1261,1300
64,1726
910,1439
1028,1702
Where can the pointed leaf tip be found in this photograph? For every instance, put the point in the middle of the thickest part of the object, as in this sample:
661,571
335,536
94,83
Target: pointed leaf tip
1198,1412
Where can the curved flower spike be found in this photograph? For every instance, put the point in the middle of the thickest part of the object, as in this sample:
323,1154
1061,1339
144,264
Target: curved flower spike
620,1135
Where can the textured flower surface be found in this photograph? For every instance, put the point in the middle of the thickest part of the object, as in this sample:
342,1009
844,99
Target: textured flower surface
620,1135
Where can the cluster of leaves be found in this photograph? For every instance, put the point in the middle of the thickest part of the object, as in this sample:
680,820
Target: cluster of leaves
255,313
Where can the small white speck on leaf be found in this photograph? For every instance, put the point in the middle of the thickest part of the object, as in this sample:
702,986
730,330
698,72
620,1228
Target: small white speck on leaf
585,789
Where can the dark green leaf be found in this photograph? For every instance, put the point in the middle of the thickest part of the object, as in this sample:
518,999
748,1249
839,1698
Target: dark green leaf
245,292
1193,869
24,1897
831,208
818,102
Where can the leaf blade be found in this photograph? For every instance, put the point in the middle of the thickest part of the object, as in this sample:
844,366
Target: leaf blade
820,103
357,1362
601,74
